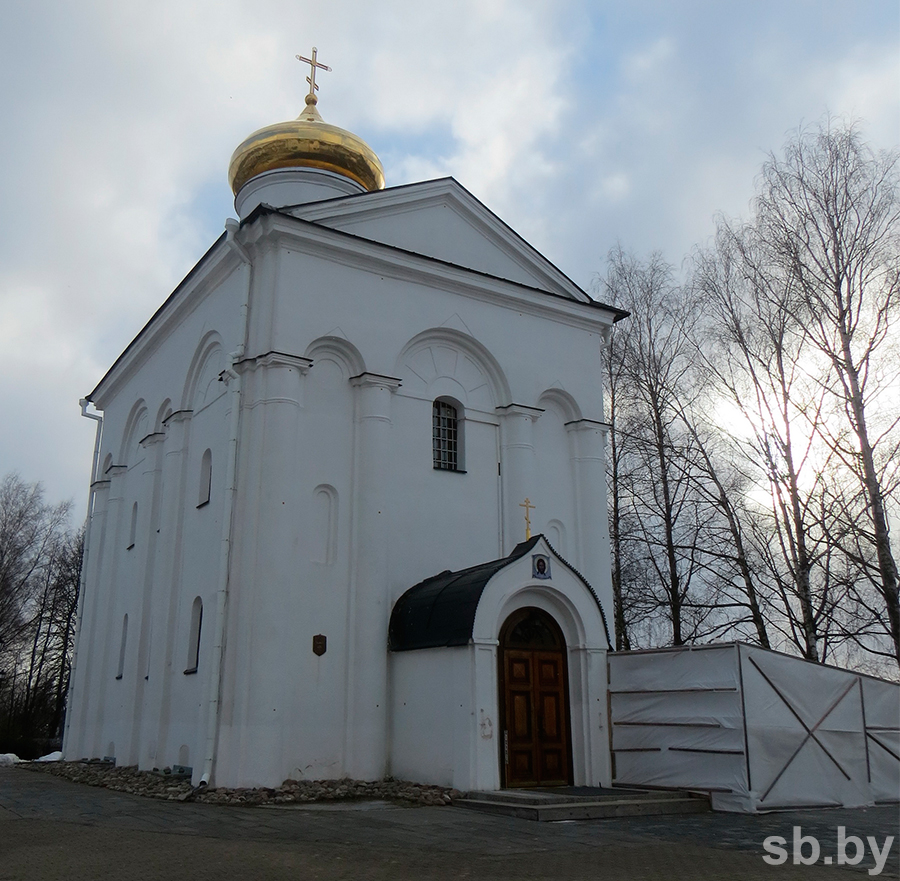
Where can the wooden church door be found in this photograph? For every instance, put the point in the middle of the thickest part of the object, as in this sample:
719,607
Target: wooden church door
534,701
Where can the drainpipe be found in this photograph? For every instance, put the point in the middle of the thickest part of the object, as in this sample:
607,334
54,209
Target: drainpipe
84,560
233,378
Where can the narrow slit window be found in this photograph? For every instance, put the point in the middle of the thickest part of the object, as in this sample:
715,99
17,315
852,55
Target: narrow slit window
445,436
205,479
132,534
193,659
121,670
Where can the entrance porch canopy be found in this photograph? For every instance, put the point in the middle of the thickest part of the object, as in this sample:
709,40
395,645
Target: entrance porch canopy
440,611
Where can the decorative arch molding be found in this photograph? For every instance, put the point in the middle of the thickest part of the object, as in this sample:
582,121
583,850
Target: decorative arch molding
162,414
339,350
563,402
135,429
444,362
566,597
559,605
206,364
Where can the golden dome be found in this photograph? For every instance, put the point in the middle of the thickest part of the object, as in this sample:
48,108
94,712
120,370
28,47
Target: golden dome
306,142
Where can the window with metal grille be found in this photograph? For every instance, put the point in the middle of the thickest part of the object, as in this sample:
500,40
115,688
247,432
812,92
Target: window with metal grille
445,436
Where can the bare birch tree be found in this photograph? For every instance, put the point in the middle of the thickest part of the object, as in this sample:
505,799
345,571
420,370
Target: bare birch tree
828,219
656,525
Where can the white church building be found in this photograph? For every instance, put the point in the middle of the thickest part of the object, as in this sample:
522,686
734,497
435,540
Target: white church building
308,553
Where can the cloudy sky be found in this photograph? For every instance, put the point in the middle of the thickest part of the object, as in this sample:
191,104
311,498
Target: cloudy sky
582,123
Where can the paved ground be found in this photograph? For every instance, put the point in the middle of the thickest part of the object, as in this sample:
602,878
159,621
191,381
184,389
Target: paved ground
54,829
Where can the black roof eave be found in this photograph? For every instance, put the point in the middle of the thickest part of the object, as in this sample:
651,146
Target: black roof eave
429,616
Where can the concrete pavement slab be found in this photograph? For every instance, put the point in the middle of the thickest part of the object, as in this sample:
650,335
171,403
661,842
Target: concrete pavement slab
52,829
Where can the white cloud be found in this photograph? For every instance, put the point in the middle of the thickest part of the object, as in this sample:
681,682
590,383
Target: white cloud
580,123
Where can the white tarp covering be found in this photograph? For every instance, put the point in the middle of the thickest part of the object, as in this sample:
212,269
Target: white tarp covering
757,729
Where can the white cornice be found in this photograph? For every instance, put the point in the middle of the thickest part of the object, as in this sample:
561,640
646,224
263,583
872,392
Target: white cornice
276,359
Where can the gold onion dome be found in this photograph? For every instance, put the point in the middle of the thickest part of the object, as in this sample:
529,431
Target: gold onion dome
306,142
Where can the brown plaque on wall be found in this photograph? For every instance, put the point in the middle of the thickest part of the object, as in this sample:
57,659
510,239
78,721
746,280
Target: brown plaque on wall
319,644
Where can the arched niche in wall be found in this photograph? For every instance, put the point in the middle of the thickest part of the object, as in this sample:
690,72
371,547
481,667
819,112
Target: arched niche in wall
162,414
328,441
202,385
137,426
323,544
556,535
563,401
338,350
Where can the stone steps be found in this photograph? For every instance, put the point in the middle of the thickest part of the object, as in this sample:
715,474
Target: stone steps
582,803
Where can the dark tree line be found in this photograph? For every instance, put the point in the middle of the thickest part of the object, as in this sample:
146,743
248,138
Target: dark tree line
40,570
755,451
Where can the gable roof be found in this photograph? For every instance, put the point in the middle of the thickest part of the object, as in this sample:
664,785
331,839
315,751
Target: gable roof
443,220
440,611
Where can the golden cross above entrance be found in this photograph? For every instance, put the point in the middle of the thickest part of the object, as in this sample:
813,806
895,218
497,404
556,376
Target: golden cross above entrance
313,64
528,508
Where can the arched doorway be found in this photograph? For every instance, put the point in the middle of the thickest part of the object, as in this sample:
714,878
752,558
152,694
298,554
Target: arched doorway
534,705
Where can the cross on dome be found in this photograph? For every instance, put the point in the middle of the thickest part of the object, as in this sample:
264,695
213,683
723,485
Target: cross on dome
311,79
307,142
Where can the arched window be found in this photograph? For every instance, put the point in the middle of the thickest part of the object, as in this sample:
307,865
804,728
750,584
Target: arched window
446,435
205,479
121,669
193,658
132,533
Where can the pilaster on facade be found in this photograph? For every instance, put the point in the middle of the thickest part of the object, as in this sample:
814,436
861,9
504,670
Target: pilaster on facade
588,467
272,378
518,466
366,747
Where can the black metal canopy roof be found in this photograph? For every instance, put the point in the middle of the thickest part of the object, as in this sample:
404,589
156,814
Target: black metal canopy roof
440,611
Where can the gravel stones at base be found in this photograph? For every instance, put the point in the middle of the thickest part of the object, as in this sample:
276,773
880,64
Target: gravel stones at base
162,785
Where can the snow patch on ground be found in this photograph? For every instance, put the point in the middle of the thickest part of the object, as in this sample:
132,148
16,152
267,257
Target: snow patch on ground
9,759
50,757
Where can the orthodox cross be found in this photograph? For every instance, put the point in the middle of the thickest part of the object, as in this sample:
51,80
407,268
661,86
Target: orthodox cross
313,64
528,507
